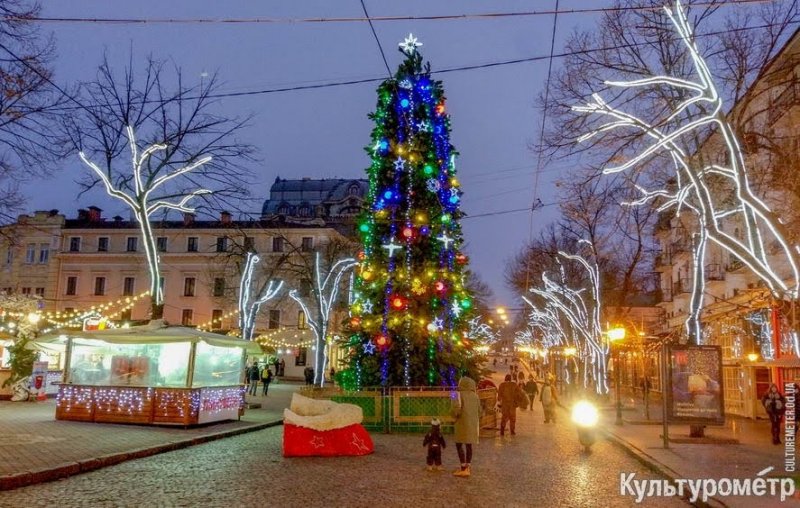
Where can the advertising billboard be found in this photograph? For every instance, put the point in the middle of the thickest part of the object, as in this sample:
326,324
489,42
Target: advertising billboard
694,385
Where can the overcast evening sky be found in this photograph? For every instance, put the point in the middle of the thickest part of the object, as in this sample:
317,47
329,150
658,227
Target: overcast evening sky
321,133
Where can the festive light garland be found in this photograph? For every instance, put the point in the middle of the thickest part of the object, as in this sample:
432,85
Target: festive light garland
711,209
138,199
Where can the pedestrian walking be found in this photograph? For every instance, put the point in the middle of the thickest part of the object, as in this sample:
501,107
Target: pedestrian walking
775,404
467,412
510,396
434,441
283,367
254,376
277,364
333,376
532,389
549,400
266,378
308,374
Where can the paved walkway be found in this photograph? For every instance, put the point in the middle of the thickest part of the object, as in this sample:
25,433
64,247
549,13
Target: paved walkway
34,447
542,466
714,457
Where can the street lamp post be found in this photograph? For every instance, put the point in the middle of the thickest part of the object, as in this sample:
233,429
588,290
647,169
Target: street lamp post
616,335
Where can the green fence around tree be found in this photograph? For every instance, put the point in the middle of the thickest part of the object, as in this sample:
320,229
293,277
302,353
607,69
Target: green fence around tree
408,409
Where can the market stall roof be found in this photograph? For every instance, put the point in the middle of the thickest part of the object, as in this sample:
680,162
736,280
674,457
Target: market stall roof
155,332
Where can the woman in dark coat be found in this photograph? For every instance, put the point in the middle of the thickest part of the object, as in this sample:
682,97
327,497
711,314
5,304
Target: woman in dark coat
775,404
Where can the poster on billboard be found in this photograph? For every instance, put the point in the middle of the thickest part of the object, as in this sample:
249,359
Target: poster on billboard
38,383
694,382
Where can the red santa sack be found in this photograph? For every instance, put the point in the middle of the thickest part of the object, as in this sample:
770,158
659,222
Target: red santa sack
324,428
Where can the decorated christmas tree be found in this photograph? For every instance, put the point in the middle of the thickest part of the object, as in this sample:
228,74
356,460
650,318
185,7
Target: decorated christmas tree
409,317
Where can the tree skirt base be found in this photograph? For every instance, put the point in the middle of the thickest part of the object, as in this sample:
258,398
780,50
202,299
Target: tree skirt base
351,440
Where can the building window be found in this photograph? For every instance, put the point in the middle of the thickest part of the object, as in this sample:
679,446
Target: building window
304,211
274,319
125,315
307,244
301,357
305,288
277,244
30,254
161,244
219,286
301,320
354,190
283,210
102,244
133,244
69,310
162,286
72,286
127,286
222,244
191,244
75,244
216,318
186,317
188,286
99,286
9,255
249,244
44,253
26,291
39,291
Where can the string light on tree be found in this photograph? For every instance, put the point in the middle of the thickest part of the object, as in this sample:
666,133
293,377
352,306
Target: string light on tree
143,204
699,188
317,307
250,301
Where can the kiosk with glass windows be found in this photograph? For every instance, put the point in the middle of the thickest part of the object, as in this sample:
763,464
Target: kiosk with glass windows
153,374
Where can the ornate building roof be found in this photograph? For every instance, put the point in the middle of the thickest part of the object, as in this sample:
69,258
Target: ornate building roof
330,199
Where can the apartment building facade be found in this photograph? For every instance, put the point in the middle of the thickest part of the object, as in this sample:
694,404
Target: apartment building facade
755,329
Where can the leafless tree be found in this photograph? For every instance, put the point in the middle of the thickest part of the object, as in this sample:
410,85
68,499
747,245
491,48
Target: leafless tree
191,146
27,102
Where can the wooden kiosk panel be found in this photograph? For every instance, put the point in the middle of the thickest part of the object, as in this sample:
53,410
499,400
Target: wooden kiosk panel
150,406
123,405
75,403
174,406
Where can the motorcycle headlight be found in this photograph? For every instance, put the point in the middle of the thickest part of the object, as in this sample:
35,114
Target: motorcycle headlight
585,414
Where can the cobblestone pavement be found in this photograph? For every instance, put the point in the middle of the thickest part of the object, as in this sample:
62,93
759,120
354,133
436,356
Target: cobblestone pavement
32,442
541,466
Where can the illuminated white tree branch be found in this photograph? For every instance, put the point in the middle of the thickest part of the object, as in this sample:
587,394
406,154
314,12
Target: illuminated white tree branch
251,301
138,200
318,313
565,305
694,192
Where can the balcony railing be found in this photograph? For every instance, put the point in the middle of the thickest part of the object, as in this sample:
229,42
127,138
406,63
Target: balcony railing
734,264
714,271
784,102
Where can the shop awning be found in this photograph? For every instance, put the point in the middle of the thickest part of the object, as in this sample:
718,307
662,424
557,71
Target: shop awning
155,332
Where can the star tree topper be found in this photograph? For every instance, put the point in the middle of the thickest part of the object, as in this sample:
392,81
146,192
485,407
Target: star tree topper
410,44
